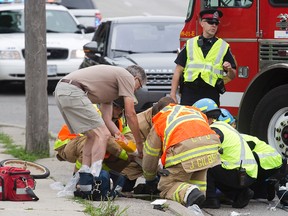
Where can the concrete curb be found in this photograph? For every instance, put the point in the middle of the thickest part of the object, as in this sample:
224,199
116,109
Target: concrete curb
49,204
11,125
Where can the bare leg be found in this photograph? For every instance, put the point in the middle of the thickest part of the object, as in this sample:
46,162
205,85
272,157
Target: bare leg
95,146
100,143
87,148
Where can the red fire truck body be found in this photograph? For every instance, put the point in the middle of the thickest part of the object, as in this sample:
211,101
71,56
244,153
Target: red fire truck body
257,31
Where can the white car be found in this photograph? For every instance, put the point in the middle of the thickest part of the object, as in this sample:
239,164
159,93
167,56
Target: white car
65,40
85,11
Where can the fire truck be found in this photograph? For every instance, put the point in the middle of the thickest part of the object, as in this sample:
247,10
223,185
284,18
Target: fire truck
257,31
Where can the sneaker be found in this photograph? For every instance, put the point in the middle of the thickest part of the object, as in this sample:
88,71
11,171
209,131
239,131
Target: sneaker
243,198
195,197
212,203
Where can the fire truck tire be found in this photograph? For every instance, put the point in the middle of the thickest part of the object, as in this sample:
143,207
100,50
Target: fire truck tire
270,119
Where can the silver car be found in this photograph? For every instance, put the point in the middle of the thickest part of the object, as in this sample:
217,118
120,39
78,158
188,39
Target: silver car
149,41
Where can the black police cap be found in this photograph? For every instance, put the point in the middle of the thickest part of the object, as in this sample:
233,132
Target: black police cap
211,14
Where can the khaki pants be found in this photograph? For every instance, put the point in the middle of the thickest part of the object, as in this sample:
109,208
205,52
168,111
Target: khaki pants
72,151
175,185
132,171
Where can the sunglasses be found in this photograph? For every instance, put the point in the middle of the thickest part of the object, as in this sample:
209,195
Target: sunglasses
212,22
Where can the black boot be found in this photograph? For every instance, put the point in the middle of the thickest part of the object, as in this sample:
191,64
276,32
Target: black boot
195,197
243,198
211,203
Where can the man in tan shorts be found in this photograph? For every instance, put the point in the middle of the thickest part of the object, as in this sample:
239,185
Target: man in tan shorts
69,147
75,95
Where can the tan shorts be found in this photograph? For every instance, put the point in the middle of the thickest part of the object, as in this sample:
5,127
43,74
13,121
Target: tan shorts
77,110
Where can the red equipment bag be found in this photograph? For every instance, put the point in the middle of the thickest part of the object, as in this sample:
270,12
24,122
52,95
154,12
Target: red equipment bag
2,196
17,184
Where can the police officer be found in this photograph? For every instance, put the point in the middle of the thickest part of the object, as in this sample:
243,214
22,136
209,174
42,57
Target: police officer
204,64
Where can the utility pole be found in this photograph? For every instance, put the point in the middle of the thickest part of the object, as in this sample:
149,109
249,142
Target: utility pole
37,139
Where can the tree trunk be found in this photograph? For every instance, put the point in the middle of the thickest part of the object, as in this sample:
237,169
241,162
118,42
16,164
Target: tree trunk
37,139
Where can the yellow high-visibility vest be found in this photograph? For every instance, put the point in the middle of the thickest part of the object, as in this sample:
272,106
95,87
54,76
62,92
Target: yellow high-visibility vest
269,158
236,151
210,67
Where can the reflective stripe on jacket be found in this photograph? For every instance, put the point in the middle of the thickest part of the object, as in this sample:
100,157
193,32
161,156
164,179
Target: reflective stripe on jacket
78,164
64,136
235,150
210,67
176,123
123,127
59,143
268,156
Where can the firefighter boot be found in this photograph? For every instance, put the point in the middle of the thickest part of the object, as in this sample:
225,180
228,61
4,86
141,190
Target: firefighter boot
243,198
211,203
150,187
195,197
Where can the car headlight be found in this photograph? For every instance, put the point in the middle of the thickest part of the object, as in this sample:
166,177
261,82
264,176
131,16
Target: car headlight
8,54
77,54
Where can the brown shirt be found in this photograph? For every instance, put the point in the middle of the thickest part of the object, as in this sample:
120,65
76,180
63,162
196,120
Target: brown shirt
104,83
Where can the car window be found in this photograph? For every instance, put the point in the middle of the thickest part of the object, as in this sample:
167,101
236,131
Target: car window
11,21
86,20
146,37
60,21
101,36
231,3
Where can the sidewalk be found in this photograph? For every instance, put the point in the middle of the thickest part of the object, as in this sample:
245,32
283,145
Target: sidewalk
51,205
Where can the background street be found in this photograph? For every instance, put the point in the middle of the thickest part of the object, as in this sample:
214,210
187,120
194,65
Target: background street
12,97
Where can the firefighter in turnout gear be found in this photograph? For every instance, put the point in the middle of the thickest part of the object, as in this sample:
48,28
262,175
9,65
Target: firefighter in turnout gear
181,136
132,171
69,147
238,168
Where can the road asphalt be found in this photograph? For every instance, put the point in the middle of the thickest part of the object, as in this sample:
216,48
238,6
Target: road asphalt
50,204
